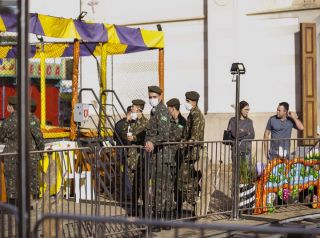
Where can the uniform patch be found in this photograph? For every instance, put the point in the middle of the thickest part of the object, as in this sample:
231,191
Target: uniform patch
180,126
32,123
163,118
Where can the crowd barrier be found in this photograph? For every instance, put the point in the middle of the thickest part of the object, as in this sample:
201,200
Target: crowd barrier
178,181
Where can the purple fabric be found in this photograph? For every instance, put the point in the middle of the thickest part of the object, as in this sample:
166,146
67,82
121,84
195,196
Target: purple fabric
132,49
10,21
35,25
84,49
68,52
91,31
130,36
12,53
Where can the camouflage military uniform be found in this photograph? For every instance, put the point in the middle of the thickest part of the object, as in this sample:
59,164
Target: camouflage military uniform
189,176
37,143
138,130
161,183
8,136
177,127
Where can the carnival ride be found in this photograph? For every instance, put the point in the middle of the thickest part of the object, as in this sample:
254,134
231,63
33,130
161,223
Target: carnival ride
286,180
88,39
82,39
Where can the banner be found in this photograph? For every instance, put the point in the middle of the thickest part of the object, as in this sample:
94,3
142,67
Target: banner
53,70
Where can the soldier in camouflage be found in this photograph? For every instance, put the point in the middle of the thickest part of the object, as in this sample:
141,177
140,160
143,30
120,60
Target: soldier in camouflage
158,131
177,127
134,130
194,132
37,143
8,136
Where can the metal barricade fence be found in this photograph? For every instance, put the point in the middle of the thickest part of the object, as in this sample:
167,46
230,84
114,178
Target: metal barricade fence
8,220
177,229
175,181
278,173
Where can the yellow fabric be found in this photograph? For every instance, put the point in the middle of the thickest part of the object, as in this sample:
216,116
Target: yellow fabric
58,27
2,26
4,51
103,86
112,34
153,38
51,50
55,135
113,49
44,165
97,50
43,110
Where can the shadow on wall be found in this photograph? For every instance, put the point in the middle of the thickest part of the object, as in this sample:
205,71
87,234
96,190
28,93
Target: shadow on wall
298,66
318,67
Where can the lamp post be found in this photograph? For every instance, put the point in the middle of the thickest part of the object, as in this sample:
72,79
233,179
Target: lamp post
236,69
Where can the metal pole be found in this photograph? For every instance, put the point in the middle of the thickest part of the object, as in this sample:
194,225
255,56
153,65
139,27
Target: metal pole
235,214
205,58
23,119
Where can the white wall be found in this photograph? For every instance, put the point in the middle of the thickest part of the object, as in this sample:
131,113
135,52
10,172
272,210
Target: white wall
127,11
265,44
59,8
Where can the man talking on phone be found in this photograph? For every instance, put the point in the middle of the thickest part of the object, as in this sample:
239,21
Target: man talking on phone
280,127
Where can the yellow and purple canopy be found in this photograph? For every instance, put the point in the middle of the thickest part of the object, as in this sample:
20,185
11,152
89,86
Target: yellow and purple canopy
119,39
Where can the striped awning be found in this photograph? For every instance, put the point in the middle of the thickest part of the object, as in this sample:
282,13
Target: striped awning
120,39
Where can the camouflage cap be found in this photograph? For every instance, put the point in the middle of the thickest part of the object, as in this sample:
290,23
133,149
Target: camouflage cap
173,102
192,95
13,100
154,89
138,102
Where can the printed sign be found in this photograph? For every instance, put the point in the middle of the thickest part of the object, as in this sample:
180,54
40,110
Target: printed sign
53,70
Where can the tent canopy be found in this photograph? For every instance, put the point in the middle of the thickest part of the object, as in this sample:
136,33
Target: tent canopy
119,39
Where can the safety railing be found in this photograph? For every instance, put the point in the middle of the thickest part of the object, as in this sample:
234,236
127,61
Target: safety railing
103,225
177,181
8,220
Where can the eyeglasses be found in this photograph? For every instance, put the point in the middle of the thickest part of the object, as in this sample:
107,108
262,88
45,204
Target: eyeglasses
153,97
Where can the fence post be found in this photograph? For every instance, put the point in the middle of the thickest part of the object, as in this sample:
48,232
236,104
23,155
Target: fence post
147,203
97,154
23,118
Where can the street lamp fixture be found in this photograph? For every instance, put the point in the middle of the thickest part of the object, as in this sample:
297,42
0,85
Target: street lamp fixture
237,68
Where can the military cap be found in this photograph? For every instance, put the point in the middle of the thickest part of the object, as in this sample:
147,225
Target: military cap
13,100
138,102
154,89
173,102
192,95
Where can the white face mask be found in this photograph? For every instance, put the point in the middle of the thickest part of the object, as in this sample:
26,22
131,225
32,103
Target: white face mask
154,102
188,106
134,116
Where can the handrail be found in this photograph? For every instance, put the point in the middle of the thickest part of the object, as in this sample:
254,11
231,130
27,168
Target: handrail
101,111
104,92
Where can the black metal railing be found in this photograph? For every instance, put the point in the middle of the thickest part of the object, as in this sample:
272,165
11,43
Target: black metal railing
177,181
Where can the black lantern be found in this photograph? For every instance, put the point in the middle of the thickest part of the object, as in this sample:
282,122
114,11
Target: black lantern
237,68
